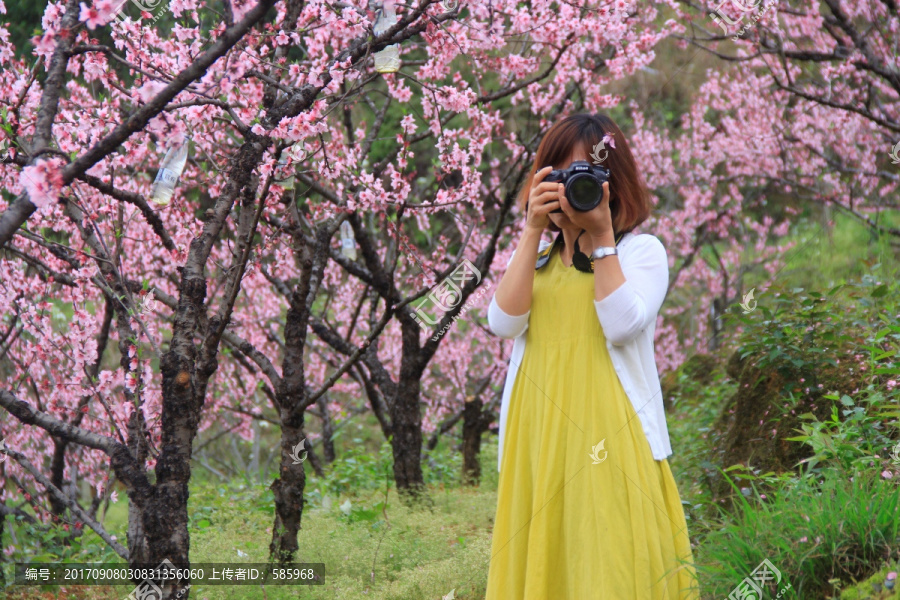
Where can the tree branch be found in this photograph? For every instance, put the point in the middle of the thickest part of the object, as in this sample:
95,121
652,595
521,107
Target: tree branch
70,503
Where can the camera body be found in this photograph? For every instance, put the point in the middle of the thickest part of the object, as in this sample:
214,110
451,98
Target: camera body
584,184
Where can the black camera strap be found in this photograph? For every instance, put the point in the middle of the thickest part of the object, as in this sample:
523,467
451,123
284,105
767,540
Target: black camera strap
580,260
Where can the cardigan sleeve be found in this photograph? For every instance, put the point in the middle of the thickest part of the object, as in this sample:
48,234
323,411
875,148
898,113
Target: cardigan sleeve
502,324
505,325
634,305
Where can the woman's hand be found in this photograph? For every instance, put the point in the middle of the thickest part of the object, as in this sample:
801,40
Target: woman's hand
597,221
543,199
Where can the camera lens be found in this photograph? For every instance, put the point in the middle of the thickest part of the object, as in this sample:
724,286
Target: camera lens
583,192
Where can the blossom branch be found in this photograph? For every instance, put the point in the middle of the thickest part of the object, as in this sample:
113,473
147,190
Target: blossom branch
69,503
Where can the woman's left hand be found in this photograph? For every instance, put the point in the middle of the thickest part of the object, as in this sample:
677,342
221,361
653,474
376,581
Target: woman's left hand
597,221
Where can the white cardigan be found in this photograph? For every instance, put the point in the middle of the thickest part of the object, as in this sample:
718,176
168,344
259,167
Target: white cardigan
628,318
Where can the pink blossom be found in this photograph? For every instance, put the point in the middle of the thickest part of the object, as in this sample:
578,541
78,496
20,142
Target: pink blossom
90,16
408,123
44,44
42,182
149,90
887,475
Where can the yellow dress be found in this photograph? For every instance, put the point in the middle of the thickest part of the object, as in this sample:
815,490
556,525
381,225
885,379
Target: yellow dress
569,526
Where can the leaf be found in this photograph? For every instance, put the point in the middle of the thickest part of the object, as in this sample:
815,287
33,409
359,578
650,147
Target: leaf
846,400
363,515
881,333
736,468
880,291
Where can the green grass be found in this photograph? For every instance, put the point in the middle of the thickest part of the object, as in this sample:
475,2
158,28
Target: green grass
406,555
813,532
414,553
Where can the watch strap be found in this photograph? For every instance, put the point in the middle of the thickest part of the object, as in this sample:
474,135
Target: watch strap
603,251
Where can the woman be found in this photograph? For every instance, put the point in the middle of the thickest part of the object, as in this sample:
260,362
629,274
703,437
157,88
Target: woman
587,506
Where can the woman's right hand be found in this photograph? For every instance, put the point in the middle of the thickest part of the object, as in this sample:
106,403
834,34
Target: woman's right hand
542,200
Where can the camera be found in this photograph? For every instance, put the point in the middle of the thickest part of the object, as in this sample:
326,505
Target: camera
584,184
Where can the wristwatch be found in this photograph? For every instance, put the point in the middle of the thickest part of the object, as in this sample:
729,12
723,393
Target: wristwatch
603,251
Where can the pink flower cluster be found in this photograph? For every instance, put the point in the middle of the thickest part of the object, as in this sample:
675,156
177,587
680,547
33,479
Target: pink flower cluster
42,182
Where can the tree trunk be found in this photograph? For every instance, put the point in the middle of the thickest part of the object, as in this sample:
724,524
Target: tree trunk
406,444
161,527
474,424
57,472
3,512
288,490
163,512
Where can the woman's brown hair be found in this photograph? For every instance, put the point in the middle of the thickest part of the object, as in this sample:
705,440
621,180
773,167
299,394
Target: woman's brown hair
629,199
